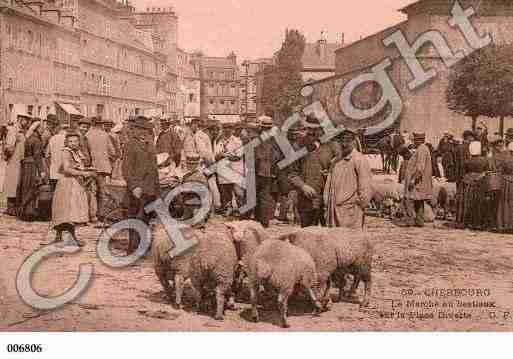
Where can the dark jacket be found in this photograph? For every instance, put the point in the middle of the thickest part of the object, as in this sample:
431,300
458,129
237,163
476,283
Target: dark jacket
169,142
140,167
313,170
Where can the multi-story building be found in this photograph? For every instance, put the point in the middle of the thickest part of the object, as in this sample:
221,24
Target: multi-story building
220,88
190,84
248,86
39,59
89,57
162,23
318,62
423,109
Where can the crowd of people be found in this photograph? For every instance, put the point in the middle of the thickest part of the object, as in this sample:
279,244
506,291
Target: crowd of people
482,168
62,171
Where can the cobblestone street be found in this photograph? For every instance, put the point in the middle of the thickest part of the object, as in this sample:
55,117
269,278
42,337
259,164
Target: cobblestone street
409,265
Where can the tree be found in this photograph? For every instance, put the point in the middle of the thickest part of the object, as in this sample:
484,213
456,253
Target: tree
283,81
482,84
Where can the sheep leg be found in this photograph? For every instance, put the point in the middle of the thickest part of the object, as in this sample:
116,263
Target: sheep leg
318,305
253,292
283,303
354,287
367,292
197,296
161,275
179,280
220,299
341,283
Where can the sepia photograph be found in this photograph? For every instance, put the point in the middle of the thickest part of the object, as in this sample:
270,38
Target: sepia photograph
234,166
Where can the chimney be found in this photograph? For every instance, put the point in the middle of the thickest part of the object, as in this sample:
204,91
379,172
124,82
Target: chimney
322,46
342,40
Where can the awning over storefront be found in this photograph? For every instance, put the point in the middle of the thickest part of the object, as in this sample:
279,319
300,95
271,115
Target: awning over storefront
70,109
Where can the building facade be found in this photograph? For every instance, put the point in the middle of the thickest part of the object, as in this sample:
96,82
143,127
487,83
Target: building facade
89,57
318,62
423,109
220,88
248,86
190,84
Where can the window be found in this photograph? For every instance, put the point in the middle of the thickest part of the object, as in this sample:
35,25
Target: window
191,97
30,108
232,102
99,109
222,102
211,102
30,40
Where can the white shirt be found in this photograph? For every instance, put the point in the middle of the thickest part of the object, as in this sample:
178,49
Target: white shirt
197,144
54,153
232,146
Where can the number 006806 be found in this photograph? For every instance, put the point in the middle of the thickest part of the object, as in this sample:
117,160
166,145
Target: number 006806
24,348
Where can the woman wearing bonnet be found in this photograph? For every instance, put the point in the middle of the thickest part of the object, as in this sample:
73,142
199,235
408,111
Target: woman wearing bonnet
70,205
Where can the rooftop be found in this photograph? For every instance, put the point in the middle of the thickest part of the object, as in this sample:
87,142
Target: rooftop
320,55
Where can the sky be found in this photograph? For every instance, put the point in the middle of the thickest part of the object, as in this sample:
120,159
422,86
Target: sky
255,29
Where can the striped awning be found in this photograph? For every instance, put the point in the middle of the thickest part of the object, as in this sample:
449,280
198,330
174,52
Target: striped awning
69,108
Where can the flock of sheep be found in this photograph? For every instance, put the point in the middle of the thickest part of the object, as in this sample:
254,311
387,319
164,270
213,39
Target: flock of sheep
232,255
387,196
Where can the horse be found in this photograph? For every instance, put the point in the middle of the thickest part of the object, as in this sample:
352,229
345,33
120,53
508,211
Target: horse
388,147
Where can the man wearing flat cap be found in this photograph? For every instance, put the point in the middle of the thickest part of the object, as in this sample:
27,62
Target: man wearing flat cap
141,174
418,182
84,124
169,142
446,149
308,175
267,156
347,191
51,129
461,155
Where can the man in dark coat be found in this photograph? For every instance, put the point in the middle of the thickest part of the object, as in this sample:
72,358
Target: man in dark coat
84,124
267,156
461,154
308,174
446,149
169,142
141,174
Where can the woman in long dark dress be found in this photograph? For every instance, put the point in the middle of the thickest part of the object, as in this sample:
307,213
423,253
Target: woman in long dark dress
32,173
504,164
471,212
